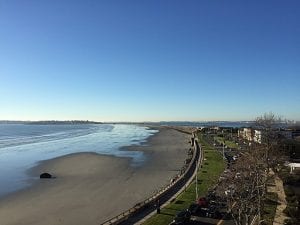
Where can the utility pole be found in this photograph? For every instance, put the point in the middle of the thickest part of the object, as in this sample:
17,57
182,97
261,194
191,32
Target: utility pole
197,179
195,150
223,149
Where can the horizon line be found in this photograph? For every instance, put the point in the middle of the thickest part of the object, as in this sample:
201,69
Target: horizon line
145,121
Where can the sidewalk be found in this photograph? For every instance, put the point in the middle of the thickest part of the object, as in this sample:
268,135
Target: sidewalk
278,188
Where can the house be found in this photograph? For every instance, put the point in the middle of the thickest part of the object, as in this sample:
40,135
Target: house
246,133
257,136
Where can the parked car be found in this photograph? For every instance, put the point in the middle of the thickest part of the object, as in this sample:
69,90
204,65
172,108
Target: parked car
194,208
203,212
214,212
183,217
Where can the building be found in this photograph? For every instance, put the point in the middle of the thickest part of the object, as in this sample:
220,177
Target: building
257,136
246,133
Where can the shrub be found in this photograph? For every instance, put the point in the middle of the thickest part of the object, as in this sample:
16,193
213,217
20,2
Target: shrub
292,200
289,191
287,222
291,211
290,221
290,180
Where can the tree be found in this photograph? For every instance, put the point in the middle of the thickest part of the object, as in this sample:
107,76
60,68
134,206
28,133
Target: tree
244,185
271,139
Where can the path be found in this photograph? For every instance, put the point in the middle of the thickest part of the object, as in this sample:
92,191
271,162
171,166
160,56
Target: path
278,188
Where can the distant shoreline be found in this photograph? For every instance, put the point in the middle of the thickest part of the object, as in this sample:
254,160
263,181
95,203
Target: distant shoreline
236,124
50,122
66,122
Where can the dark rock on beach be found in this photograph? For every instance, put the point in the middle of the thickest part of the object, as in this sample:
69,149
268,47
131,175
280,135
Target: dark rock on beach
45,175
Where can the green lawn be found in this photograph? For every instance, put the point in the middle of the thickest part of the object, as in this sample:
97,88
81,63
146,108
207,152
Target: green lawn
208,175
230,144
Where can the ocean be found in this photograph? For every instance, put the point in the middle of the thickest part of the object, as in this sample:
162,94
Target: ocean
22,146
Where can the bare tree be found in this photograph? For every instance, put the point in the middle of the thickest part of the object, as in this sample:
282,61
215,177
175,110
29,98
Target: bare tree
270,126
244,185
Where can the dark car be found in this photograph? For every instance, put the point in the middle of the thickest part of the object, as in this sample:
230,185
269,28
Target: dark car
194,208
183,217
214,212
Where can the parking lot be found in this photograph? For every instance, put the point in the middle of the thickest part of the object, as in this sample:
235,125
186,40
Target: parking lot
209,210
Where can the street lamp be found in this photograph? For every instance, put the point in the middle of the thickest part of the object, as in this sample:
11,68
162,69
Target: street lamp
223,149
197,181
197,168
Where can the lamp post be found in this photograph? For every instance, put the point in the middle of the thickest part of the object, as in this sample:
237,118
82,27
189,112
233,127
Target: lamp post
223,149
197,180
197,147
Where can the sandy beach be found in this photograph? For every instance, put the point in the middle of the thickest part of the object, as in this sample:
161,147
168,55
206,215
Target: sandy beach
90,188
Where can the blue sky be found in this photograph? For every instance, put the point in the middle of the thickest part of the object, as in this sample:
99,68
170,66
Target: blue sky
149,60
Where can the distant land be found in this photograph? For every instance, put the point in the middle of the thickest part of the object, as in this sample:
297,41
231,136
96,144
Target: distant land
50,122
236,124
161,123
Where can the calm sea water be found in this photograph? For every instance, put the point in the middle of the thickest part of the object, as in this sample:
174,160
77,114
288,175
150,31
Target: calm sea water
23,146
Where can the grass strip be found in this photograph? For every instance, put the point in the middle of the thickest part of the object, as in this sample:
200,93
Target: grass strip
228,143
212,166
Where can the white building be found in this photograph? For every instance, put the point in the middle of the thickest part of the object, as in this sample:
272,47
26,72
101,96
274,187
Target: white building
246,133
257,136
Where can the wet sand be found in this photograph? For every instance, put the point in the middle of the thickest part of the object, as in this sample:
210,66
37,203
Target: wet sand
90,188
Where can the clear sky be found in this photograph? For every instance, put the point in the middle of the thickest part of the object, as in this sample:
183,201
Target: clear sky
152,60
